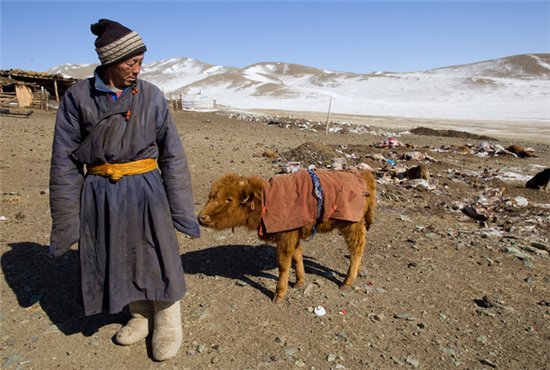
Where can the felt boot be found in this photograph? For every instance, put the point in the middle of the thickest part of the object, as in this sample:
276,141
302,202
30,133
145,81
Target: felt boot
167,330
139,326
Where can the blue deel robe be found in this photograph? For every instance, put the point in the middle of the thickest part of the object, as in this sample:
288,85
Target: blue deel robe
126,230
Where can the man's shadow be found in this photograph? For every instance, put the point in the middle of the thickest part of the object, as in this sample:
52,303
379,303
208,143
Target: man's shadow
54,283
247,263
37,278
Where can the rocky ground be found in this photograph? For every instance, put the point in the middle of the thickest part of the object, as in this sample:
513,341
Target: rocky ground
455,275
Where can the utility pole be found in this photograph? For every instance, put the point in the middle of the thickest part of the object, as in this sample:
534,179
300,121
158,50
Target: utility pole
328,115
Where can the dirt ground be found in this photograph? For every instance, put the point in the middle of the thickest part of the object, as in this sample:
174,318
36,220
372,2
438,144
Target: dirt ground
455,274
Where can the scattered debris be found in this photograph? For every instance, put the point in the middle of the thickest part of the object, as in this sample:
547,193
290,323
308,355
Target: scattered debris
390,142
417,156
521,152
305,124
417,172
291,167
364,167
16,113
476,211
484,302
419,184
485,149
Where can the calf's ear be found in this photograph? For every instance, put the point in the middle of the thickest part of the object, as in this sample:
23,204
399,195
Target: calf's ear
243,188
246,196
251,191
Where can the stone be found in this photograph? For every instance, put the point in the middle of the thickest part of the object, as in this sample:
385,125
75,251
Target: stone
488,362
308,289
527,259
541,246
412,361
405,316
299,363
290,351
482,339
280,340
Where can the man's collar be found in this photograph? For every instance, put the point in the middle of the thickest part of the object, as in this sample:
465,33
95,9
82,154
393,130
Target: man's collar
100,85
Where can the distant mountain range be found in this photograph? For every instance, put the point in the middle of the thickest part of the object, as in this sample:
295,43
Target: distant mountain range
510,88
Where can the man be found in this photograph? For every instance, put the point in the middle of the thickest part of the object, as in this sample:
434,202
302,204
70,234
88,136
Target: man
119,185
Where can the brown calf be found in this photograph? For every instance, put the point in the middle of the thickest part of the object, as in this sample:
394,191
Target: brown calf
238,201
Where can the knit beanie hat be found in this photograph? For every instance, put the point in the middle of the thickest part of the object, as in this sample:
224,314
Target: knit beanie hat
115,42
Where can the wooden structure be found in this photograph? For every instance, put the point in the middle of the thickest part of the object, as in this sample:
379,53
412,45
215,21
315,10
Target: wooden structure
27,89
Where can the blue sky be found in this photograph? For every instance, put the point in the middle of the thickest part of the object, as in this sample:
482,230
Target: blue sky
352,36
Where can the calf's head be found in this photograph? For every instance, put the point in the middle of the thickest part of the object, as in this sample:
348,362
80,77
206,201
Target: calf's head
233,201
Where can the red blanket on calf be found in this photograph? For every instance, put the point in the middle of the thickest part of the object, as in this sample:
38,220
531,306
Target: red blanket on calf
290,201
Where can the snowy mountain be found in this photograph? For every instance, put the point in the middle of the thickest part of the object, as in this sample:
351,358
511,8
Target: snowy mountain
511,88
73,70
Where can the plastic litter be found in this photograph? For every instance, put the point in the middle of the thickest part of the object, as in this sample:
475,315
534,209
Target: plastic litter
319,311
521,201
390,142
291,167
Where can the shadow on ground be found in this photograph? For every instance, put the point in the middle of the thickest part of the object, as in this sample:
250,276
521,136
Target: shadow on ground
247,263
37,278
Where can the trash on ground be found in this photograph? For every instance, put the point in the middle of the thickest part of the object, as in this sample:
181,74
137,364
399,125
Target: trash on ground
319,311
390,142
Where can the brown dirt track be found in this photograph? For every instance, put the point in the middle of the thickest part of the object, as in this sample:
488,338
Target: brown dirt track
437,290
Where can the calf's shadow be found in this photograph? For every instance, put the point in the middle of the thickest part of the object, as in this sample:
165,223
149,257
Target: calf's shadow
247,263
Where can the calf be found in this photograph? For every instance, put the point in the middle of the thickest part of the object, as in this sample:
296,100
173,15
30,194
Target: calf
286,216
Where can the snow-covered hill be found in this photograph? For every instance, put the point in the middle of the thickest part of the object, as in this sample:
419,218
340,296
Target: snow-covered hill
511,88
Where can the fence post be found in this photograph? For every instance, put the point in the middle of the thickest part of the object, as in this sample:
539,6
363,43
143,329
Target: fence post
56,92
328,115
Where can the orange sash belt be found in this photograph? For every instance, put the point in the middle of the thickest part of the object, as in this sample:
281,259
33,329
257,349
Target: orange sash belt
116,171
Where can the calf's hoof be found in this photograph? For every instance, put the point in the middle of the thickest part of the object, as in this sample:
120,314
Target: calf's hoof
298,284
278,300
345,288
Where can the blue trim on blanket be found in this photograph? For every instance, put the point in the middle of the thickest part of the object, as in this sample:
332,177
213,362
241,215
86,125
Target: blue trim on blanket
318,190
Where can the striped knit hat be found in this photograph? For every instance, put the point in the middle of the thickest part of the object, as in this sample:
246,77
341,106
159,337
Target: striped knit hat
115,42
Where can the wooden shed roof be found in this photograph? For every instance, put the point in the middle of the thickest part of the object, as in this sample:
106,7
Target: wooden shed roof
41,79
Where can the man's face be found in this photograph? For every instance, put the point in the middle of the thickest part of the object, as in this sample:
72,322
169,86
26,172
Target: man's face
125,73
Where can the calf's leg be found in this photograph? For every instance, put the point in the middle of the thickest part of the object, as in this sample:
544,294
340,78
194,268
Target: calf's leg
286,246
299,266
354,234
